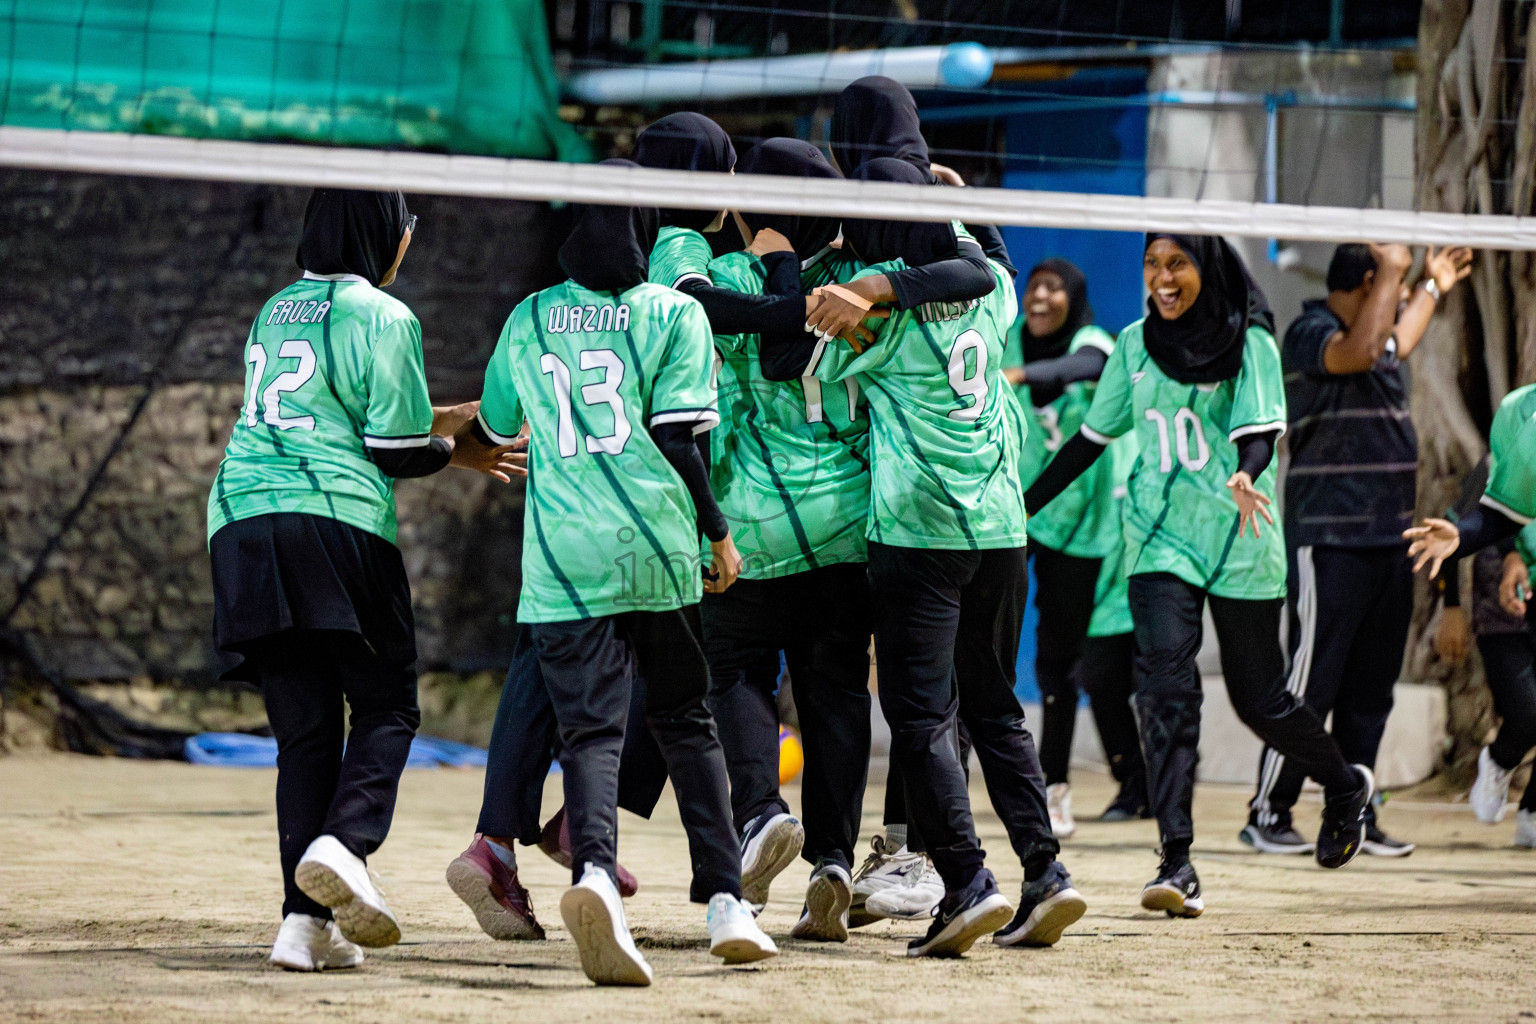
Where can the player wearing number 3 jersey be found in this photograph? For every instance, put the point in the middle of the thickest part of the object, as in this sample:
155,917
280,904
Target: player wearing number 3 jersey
1199,382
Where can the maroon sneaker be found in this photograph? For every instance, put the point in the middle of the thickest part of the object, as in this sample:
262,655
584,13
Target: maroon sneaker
556,844
501,904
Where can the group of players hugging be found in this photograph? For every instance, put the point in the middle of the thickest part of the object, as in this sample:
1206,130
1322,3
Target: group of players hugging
764,459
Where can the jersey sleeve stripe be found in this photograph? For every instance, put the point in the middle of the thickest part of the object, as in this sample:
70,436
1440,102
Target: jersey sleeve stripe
702,419
406,441
691,276
1107,346
1499,506
1096,437
1257,428
493,435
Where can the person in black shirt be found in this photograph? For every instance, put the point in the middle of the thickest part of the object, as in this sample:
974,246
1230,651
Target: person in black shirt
1349,495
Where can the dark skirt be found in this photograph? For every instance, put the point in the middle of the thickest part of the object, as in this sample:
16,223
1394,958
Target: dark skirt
293,570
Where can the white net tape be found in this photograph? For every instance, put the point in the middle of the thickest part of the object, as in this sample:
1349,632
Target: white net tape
493,178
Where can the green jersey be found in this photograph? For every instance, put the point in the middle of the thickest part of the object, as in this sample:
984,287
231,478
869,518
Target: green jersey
1512,465
789,463
333,367
1084,519
945,431
678,255
1180,518
609,526
1111,596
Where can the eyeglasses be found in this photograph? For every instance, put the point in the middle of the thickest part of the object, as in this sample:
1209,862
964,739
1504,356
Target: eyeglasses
410,225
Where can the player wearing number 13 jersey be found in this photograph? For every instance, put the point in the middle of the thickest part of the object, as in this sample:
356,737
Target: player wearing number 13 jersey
1199,382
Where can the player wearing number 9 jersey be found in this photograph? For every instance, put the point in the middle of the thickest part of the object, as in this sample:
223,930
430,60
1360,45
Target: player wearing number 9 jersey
948,579
1199,382
310,592
613,377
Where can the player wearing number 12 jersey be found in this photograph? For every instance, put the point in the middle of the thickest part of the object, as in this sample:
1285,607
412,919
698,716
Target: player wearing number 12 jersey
1199,382
948,579
613,377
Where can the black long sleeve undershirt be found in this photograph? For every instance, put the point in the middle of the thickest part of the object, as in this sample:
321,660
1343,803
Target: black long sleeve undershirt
781,307
1254,452
1070,462
407,463
1480,527
681,450
964,277
991,241
1048,378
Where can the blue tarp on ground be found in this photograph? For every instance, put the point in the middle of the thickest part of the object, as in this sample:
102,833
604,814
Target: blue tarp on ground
240,750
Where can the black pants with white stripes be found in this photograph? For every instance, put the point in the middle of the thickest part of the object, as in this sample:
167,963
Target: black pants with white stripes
590,667
946,641
1349,613
1167,613
821,620
525,740
1509,663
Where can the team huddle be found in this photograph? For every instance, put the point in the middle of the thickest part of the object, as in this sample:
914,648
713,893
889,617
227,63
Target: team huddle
758,461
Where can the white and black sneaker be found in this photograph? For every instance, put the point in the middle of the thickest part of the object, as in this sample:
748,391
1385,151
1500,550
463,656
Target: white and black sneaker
1175,891
1048,906
827,899
1277,838
1378,844
963,917
769,844
1344,817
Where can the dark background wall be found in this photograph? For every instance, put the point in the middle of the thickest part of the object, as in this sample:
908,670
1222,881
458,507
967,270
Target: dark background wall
124,308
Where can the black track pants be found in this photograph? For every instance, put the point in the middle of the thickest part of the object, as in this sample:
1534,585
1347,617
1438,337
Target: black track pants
1065,588
1167,614
1107,674
1509,662
309,678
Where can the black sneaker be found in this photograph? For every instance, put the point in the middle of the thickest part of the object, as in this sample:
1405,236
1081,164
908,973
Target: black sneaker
1378,844
1344,815
962,917
1175,891
1277,838
1047,908
1130,803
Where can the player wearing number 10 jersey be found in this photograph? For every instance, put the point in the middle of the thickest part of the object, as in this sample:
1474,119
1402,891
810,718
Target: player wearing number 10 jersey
613,377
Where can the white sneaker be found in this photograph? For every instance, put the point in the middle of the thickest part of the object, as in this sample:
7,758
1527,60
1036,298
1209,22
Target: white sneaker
334,877
827,899
1058,801
594,915
769,844
733,932
1491,790
1525,830
912,896
885,866
306,943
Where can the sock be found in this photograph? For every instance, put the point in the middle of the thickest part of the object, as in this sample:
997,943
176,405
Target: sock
1036,866
1176,852
896,835
506,854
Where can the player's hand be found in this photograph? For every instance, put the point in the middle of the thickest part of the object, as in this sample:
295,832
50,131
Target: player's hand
1251,505
447,419
502,461
862,336
837,312
1016,376
768,240
948,175
1453,638
1447,266
1392,258
1515,585
725,565
1432,543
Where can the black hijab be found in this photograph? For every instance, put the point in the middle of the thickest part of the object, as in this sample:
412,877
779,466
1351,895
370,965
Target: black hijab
352,232
792,158
1079,312
609,247
877,117
916,243
686,142
1205,345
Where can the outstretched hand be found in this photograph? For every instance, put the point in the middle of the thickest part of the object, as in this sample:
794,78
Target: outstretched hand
1432,543
447,419
1251,505
1447,266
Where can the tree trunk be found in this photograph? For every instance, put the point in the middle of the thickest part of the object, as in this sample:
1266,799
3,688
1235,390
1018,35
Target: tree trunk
1476,146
